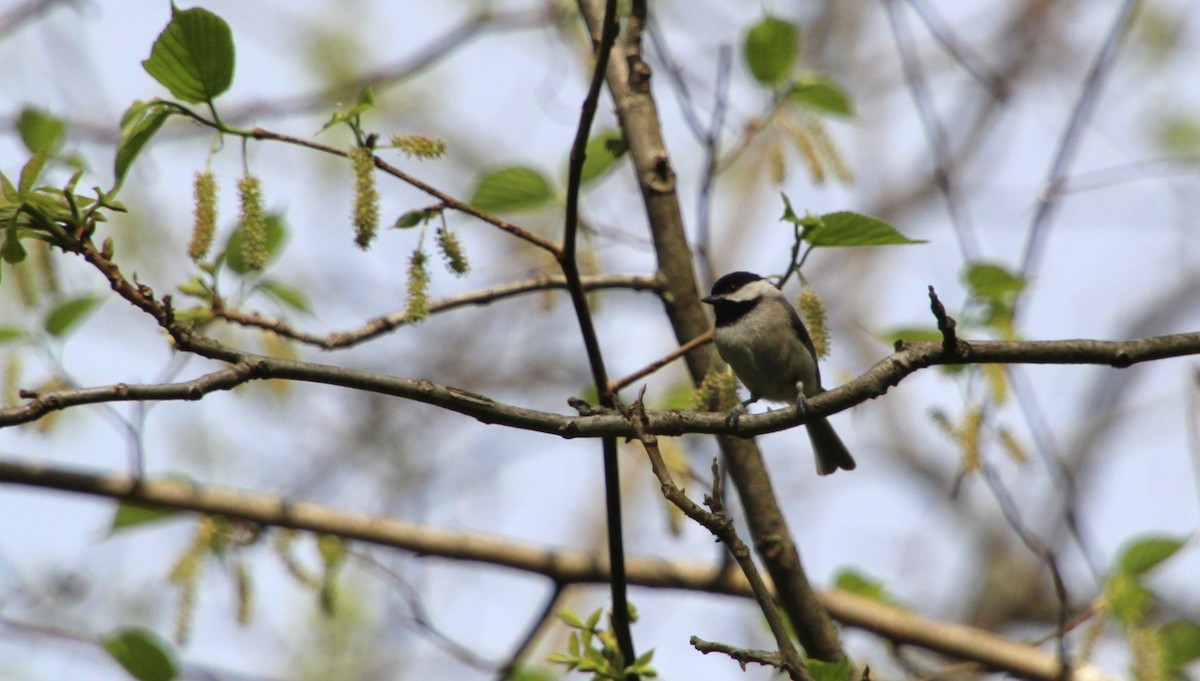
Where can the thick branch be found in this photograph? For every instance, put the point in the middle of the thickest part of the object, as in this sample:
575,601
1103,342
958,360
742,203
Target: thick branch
561,566
877,380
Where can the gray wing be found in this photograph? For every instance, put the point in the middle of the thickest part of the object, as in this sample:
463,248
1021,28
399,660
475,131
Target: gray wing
802,332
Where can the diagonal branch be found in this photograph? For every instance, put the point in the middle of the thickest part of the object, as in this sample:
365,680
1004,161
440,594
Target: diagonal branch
561,566
387,323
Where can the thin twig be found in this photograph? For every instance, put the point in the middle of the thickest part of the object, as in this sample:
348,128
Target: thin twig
935,135
1072,135
568,262
387,323
449,201
1044,553
718,522
614,386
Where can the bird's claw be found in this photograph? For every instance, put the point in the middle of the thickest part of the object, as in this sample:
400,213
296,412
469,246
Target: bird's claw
731,419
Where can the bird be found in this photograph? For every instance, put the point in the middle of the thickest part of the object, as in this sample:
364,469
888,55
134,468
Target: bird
759,334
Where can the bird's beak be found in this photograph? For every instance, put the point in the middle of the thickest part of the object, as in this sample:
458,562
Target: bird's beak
708,300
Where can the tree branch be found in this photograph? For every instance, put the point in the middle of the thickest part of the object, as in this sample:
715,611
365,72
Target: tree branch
386,323
875,382
560,566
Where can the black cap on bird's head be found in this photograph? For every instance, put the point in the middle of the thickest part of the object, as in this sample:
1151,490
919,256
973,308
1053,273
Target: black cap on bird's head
730,283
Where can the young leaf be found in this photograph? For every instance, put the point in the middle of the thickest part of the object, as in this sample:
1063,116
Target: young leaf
770,49
511,189
412,218
857,583
66,315
1127,599
1144,555
32,171
12,252
846,228
129,514
8,189
603,150
569,618
1181,643
816,92
288,295
39,129
992,282
193,56
138,125
143,654
828,671
235,254
911,334
365,101
12,334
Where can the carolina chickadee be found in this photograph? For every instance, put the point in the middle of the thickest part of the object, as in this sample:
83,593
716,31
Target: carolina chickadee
759,334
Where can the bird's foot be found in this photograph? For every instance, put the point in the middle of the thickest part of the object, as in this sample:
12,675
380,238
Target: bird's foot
731,419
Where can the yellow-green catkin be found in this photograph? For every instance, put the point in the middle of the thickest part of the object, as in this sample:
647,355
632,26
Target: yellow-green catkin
718,390
418,287
419,146
43,254
366,198
284,540
813,313
800,138
186,575
252,221
968,439
1015,450
204,225
828,149
245,591
452,252
12,379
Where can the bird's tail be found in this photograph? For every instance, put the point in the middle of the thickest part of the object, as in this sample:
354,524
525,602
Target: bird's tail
831,453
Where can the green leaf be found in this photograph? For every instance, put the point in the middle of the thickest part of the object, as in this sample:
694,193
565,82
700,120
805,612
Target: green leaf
534,673
365,101
12,252
770,49
1127,600
129,514
193,56
235,254
145,655
9,190
1181,643
39,129
857,583
511,189
828,671
66,315
846,228
1179,134
816,92
12,334
32,171
412,218
138,125
570,618
911,334
989,281
1143,555
602,152
286,294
